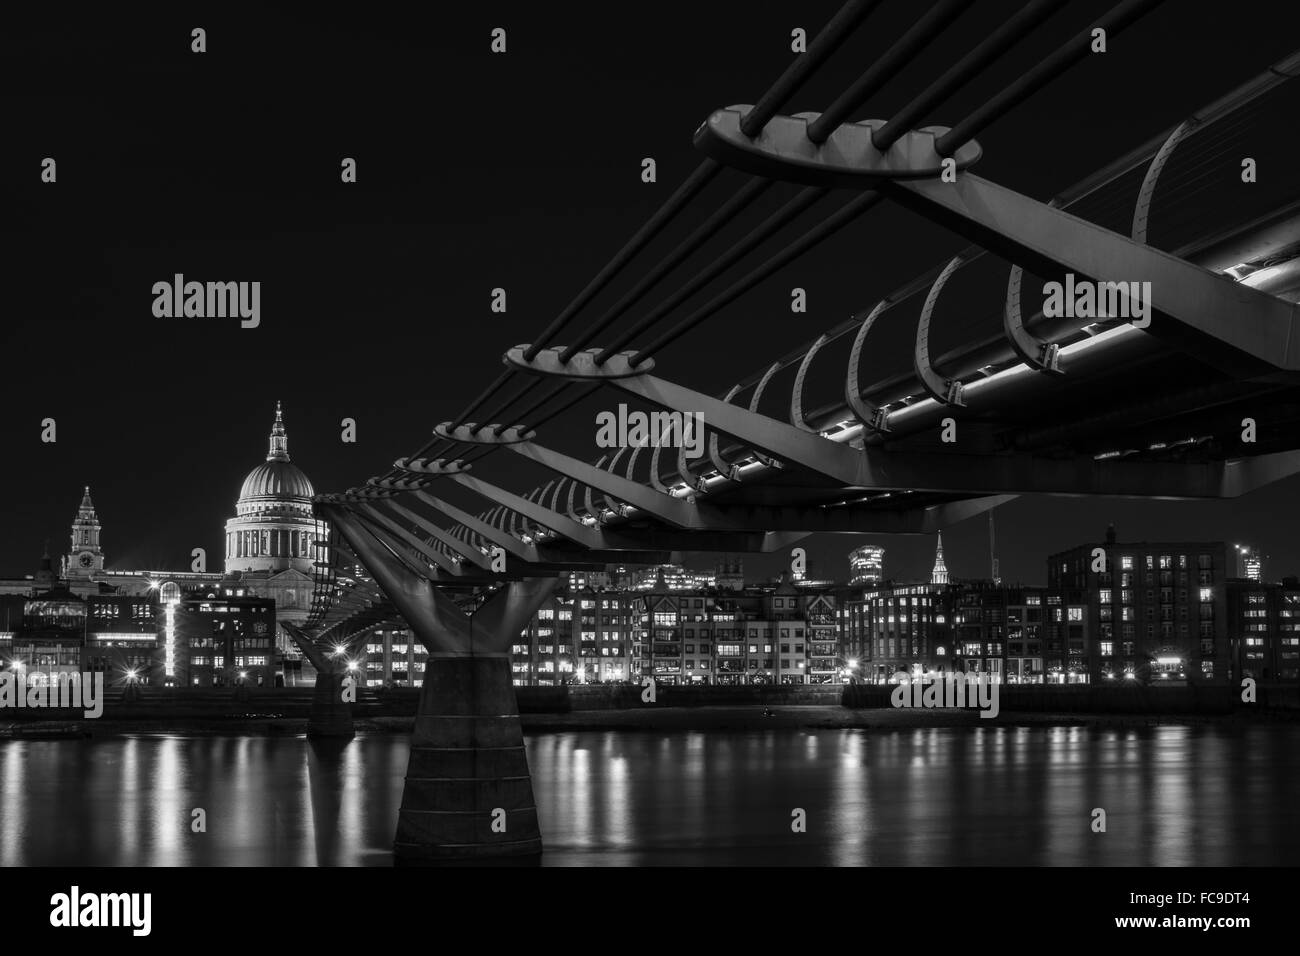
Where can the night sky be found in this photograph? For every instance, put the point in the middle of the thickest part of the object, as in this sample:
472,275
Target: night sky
474,171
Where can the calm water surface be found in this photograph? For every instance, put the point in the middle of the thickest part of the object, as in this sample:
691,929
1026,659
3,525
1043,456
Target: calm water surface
1174,796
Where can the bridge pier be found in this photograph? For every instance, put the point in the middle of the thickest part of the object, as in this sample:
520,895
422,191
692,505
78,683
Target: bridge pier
468,793
330,716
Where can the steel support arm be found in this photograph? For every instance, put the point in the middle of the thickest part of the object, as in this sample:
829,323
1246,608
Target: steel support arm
1225,323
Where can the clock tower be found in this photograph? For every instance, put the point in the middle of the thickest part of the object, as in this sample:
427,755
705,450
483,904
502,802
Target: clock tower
85,557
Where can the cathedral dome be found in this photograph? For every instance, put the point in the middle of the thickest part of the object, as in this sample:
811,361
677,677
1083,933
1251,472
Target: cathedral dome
277,484
273,528
276,479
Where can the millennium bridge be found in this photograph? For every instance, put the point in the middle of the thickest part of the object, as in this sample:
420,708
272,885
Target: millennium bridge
1177,375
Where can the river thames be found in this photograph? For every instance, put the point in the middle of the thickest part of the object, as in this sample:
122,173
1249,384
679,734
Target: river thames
1174,795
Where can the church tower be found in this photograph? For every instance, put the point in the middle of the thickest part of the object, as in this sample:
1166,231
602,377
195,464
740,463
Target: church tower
940,573
85,557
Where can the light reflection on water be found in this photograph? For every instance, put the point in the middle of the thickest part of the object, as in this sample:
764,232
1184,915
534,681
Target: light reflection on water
1173,795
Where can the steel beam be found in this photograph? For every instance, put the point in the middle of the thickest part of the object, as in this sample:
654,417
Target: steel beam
949,473
628,537
538,554
1224,323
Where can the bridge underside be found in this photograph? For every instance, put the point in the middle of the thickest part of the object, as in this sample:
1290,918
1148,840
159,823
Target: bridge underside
1198,398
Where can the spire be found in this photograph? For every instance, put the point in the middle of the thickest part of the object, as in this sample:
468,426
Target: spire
279,450
86,503
940,573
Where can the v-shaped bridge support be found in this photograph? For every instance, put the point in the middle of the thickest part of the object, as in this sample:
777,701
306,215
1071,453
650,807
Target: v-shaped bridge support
468,792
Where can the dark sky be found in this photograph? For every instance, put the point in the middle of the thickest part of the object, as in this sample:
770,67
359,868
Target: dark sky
475,171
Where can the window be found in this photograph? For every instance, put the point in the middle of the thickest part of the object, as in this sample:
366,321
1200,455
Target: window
1107,649
1126,562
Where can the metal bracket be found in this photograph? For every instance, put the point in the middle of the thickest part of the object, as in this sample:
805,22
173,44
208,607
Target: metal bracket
1044,356
438,466
1143,209
871,416
727,471
397,484
796,394
848,159
581,366
947,391
753,407
471,433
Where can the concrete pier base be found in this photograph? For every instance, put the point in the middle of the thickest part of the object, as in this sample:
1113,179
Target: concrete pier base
330,716
468,793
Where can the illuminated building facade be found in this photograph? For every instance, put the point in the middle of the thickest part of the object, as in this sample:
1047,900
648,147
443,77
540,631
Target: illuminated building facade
766,635
49,640
1024,635
997,631
1264,630
393,658
1250,564
224,636
907,627
1148,611
866,565
122,638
